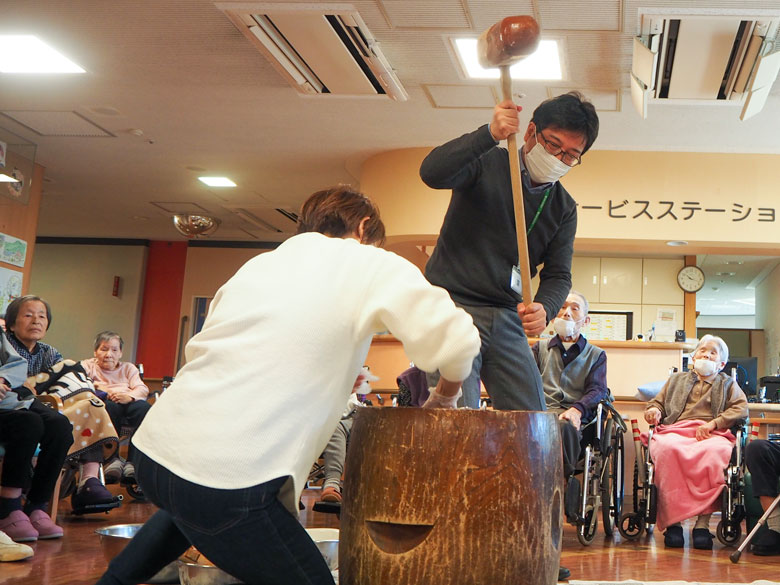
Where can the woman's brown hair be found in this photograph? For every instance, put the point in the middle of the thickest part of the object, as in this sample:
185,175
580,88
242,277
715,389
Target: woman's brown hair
338,211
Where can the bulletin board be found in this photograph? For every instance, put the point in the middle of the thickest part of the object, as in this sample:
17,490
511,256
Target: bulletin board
611,325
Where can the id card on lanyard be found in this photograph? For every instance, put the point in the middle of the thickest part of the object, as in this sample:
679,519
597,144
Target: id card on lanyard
515,280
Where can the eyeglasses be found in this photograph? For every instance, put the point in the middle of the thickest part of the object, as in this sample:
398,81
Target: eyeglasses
566,158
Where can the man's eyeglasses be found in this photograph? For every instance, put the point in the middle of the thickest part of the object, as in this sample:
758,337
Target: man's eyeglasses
554,149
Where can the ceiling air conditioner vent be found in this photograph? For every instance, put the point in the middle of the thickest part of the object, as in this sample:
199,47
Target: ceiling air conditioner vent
710,56
319,50
267,219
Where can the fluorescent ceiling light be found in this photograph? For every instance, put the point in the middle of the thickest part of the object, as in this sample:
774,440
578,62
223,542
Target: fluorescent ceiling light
7,179
544,63
29,54
217,181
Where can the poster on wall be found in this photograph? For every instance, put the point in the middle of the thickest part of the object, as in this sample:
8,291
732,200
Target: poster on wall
12,250
10,287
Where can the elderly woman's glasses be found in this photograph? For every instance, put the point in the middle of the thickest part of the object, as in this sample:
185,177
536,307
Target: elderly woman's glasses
555,149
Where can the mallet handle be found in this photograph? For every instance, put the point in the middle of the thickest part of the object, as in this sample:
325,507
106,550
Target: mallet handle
517,196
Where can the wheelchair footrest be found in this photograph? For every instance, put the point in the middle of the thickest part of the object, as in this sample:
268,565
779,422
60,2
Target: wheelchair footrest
328,507
98,508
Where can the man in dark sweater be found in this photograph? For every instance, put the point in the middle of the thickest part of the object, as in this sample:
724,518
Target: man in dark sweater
574,376
477,246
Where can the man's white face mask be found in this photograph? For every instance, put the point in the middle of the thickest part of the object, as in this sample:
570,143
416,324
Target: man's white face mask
566,328
543,167
705,367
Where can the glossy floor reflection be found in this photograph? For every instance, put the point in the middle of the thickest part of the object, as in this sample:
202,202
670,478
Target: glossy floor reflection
77,558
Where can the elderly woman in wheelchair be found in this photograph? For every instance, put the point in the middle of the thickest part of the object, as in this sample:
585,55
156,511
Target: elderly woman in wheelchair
692,444
120,386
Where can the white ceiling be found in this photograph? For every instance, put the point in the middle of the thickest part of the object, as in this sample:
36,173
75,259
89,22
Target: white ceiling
173,91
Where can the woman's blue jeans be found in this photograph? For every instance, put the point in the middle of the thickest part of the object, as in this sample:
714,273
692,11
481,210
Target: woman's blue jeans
246,532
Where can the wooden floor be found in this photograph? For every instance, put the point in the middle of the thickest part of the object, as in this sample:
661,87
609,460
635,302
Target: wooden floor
77,559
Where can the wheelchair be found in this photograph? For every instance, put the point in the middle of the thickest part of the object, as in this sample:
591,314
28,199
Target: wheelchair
733,511
602,474
643,516
645,505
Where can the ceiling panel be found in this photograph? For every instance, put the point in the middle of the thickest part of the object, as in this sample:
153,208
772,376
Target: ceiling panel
432,14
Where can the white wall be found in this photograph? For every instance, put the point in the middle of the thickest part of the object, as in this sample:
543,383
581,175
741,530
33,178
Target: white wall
726,321
77,282
768,317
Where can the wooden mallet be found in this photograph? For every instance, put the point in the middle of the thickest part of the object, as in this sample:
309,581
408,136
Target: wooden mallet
502,45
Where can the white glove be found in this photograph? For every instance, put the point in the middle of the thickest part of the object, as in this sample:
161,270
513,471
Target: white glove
436,400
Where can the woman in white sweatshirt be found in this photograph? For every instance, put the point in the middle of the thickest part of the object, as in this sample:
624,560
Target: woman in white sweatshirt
227,448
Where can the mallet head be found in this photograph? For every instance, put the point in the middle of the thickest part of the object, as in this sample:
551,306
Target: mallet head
508,41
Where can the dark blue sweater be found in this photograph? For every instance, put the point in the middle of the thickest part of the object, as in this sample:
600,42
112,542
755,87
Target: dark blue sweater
477,245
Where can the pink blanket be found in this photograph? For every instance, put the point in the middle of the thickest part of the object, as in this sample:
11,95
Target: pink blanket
688,473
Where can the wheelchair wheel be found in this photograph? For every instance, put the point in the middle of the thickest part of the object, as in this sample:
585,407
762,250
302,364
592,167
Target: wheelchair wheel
631,525
729,533
612,486
587,527
69,479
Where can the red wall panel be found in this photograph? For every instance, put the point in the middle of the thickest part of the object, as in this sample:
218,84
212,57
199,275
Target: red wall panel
159,328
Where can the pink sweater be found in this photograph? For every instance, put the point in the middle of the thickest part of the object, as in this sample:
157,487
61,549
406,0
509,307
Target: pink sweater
125,379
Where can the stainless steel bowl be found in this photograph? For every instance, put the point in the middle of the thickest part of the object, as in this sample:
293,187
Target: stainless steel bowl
330,552
114,538
195,574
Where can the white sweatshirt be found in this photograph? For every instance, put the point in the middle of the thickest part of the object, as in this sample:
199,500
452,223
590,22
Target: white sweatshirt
266,379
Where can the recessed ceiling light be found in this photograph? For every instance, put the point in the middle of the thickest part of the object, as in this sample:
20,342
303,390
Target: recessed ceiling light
217,181
29,54
677,243
544,63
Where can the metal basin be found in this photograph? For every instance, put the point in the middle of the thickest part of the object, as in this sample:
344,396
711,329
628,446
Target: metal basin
195,574
330,552
114,538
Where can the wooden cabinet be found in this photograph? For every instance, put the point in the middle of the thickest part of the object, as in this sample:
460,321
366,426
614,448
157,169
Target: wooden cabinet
621,280
659,281
586,276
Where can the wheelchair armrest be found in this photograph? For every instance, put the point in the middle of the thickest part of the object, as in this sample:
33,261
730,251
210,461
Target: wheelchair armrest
52,401
607,405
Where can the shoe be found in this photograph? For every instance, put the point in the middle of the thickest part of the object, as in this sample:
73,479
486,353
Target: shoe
113,471
45,526
12,551
330,494
769,545
92,493
18,526
673,537
563,573
128,473
702,539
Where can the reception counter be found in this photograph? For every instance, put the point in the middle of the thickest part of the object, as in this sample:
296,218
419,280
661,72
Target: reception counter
630,364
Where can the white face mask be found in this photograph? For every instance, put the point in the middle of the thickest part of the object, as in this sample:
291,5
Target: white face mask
705,368
565,328
544,167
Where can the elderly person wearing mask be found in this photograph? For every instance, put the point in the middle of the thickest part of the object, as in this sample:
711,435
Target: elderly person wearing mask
27,320
124,394
291,327
574,379
692,443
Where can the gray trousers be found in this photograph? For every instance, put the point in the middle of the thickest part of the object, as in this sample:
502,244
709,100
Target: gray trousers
336,453
505,364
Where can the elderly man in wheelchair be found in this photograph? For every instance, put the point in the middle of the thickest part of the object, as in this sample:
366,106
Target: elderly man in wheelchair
574,377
